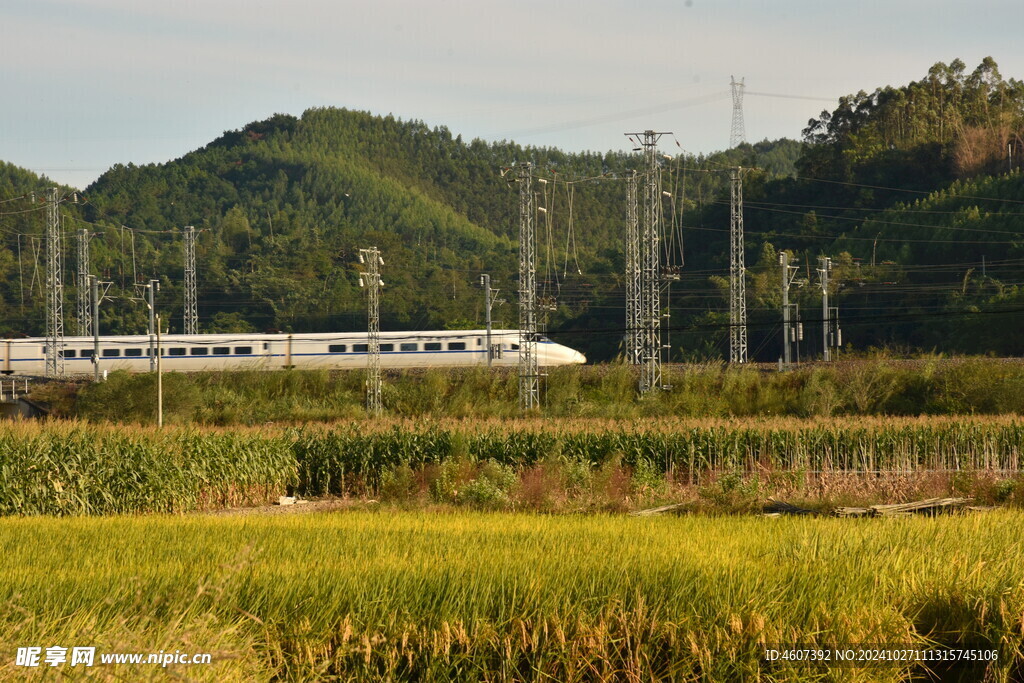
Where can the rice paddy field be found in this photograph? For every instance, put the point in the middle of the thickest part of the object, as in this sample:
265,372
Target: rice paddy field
494,596
498,550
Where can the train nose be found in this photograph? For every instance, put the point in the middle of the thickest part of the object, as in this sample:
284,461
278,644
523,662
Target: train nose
578,357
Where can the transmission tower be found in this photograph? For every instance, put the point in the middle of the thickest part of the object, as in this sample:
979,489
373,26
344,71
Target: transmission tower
191,308
54,289
371,280
738,134
529,372
650,266
634,324
84,308
737,275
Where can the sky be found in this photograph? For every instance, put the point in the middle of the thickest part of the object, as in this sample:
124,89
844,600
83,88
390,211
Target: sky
90,83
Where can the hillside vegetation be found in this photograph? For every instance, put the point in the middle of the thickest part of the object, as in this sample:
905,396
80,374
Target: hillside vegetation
914,191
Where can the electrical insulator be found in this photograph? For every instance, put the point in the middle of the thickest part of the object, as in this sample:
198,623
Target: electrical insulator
839,337
800,331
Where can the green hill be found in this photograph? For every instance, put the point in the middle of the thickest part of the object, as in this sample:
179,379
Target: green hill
908,188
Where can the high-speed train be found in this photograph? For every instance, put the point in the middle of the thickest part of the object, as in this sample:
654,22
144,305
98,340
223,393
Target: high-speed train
430,349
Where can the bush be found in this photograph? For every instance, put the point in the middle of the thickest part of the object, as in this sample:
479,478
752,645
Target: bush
125,397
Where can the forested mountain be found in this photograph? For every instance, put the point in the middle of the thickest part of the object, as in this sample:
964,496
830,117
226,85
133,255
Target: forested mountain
908,189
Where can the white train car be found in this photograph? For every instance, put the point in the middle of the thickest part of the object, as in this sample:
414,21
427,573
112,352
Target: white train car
212,352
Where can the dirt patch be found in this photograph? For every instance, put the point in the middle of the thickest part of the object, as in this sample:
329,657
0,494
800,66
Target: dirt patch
300,507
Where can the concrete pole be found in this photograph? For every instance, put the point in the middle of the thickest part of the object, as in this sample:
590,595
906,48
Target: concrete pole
485,281
159,379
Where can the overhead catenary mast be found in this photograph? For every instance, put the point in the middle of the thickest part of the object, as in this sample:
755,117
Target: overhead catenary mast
788,330
737,274
54,289
372,282
84,309
191,294
824,270
650,266
529,371
634,324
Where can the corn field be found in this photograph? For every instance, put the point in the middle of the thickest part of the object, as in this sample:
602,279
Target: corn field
73,468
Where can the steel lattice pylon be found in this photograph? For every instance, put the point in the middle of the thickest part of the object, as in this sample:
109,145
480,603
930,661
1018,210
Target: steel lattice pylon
738,134
737,275
83,312
529,371
650,267
634,322
191,297
371,280
54,289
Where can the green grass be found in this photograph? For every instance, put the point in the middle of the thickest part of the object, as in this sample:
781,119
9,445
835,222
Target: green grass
929,386
472,596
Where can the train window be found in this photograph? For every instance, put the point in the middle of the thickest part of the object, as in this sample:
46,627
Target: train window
68,353
44,350
456,346
176,351
133,352
408,346
387,347
479,341
86,353
245,350
221,350
336,348
360,348
432,346
515,347
111,353
199,351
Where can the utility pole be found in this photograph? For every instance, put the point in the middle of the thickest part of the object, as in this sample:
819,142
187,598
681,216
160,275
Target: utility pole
650,266
191,308
529,370
489,301
824,269
84,310
634,324
788,337
54,289
737,274
371,280
152,288
738,134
